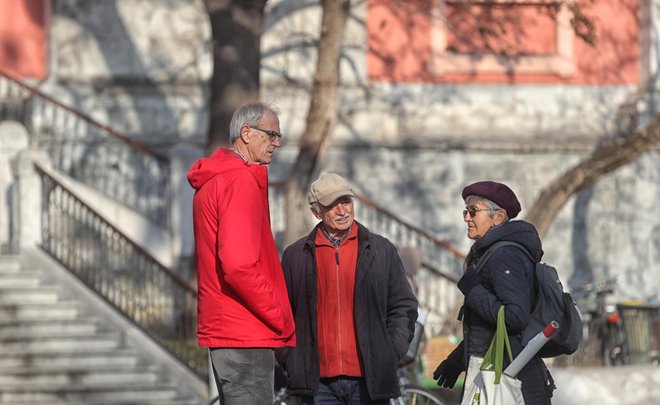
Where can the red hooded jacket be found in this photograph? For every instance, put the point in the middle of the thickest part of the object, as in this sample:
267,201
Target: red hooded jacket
243,301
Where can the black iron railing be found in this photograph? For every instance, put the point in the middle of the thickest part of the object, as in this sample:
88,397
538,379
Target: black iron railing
441,263
131,280
95,154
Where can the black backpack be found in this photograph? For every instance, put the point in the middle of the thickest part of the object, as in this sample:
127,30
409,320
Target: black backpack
552,304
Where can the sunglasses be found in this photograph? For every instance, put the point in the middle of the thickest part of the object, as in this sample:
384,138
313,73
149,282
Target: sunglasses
473,211
272,134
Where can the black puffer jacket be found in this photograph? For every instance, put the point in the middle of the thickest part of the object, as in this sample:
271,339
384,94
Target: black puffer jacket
506,279
385,313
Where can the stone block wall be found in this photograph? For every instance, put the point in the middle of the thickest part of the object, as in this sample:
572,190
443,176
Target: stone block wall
140,66
143,67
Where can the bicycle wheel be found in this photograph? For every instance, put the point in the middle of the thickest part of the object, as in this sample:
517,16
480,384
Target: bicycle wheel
413,395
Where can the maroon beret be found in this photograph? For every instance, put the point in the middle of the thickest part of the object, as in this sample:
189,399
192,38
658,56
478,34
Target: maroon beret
498,193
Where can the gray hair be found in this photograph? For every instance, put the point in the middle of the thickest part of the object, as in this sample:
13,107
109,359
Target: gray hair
492,207
247,114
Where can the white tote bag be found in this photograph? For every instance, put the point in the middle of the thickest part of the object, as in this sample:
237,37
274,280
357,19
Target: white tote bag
485,383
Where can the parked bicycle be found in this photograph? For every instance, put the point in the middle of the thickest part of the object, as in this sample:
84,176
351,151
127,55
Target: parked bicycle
604,336
412,393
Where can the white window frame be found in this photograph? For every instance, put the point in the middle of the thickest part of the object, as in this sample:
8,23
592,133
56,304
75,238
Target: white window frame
443,62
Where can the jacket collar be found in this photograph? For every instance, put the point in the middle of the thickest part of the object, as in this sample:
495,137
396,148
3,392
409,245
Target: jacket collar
363,235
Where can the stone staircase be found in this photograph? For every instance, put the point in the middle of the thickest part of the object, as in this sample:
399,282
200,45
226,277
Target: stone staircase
55,349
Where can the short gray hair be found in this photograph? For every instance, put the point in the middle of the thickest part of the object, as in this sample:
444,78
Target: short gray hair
492,207
247,114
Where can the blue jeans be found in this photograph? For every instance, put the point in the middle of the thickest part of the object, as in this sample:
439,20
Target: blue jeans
342,391
244,376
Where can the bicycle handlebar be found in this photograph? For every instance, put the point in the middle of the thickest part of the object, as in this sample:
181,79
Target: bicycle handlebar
604,286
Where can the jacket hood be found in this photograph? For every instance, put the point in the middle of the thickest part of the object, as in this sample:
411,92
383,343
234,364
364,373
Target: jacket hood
221,161
520,232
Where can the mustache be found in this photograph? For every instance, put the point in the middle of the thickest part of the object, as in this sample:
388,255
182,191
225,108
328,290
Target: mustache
340,217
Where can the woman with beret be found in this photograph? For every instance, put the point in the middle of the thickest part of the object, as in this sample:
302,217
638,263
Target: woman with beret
507,278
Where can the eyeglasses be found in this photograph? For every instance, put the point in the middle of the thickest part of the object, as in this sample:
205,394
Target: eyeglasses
473,211
272,134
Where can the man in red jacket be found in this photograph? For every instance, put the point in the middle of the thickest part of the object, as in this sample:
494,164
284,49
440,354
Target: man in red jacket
243,308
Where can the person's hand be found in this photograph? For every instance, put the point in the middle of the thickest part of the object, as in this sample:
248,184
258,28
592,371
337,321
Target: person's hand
469,280
448,371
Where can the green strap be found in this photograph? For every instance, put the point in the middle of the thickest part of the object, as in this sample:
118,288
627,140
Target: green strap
494,358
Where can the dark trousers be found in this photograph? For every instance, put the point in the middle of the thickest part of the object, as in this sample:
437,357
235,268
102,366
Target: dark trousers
342,391
244,376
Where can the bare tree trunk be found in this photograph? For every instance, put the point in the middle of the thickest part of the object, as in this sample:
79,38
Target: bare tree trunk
607,158
236,30
320,118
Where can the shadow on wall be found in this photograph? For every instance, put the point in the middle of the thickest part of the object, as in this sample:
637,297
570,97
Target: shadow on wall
582,272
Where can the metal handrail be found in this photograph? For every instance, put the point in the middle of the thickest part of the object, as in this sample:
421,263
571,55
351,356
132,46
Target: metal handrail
128,171
441,264
440,268
151,296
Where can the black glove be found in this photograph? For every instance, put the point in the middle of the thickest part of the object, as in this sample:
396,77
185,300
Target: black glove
469,280
448,371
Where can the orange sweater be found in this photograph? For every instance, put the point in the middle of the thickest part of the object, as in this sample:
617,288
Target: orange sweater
338,349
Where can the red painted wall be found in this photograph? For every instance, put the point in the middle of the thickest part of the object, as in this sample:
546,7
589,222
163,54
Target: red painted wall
400,45
23,40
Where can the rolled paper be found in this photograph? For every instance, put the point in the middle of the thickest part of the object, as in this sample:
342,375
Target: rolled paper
422,314
533,347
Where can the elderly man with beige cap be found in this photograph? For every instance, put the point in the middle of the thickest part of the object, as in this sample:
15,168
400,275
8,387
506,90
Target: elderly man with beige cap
353,307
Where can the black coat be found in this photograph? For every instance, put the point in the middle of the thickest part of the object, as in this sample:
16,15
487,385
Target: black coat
385,311
506,279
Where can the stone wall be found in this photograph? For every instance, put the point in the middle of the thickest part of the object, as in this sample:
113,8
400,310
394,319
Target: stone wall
412,147
604,231
143,67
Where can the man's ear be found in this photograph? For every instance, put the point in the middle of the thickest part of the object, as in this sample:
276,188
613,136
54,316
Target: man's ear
245,134
316,214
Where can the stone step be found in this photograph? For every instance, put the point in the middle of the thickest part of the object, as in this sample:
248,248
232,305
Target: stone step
63,344
89,394
60,310
23,279
71,376
113,402
36,328
81,360
55,351
9,264
42,295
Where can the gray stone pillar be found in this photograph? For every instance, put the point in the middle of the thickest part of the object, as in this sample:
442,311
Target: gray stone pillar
13,139
649,24
26,201
649,20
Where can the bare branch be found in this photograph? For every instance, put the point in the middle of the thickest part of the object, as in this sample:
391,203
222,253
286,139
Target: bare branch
607,158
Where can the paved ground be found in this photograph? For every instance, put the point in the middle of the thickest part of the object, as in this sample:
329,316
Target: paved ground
596,385
608,385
